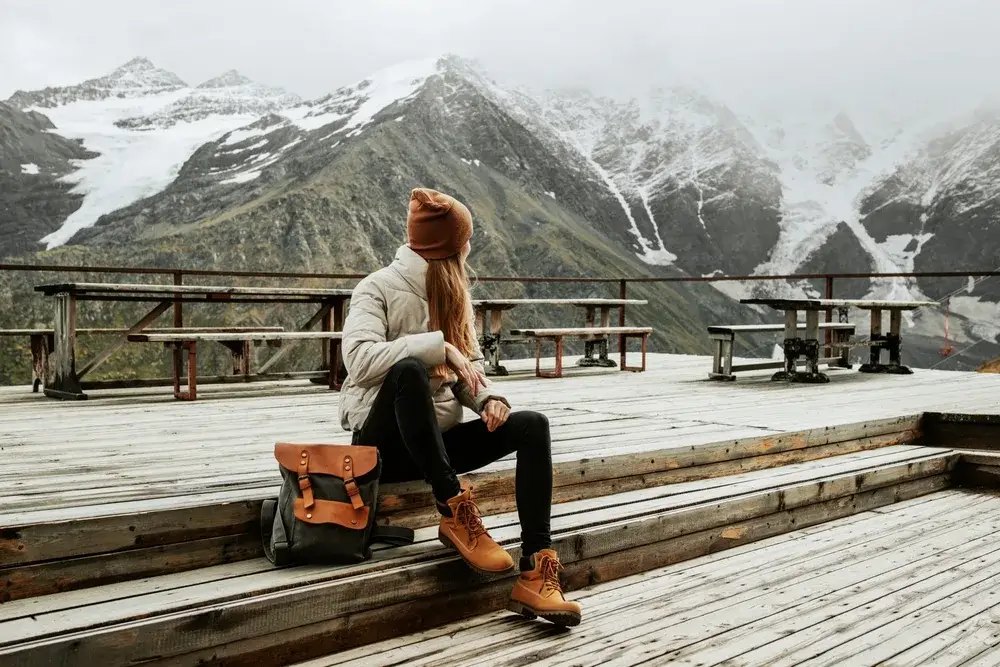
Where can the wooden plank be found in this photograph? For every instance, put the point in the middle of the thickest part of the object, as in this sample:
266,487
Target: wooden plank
137,288
580,331
583,303
301,605
751,328
100,331
222,337
823,304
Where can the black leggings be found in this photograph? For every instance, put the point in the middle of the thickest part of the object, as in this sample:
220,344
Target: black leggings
403,426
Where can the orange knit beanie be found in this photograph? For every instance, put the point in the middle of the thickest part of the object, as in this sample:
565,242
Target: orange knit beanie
438,225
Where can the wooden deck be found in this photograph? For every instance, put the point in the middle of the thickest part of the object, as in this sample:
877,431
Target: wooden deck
91,458
911,584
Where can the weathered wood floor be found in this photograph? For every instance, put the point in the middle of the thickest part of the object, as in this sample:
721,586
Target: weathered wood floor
915,583
94,457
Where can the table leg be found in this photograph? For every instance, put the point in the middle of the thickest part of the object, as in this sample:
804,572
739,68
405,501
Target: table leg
494,319
602,344
875,340
791,346
893,341
65,384
191,347
810,349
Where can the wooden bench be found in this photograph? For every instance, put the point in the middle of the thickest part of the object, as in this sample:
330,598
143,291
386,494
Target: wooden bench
723,338
584,333
239,343
43,342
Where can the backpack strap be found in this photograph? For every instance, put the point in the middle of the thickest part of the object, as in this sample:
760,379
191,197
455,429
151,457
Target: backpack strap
272,533
394,535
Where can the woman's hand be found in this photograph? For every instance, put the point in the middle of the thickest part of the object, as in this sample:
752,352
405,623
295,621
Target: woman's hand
464,369
495,414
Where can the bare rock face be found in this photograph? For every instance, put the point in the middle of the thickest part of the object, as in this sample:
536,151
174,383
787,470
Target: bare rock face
35,198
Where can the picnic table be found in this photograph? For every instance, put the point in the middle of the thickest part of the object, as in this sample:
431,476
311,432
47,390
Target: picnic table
66,379
489,321
808,345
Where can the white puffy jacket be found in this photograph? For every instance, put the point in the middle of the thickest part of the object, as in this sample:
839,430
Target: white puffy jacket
387,323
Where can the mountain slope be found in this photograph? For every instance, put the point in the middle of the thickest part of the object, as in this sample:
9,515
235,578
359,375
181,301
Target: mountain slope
34,197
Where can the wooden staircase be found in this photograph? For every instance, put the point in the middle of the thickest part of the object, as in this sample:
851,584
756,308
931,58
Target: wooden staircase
186,585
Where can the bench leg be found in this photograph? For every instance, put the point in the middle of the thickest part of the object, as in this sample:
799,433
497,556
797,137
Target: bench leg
557,373
624,343
722,359
41,346
192,372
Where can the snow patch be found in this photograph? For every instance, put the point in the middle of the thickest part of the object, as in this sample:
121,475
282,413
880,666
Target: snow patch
367,97
237,136
476,162
30,168
551,194
131,164
245,177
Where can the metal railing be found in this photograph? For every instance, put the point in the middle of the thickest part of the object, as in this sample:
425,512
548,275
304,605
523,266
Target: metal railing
178,274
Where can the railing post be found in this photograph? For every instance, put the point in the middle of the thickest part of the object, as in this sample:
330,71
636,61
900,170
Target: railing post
829,318
622,294
178,356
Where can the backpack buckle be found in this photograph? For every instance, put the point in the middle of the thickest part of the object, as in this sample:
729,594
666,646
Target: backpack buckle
354,493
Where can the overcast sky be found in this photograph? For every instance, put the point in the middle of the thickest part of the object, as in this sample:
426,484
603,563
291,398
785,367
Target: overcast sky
895,51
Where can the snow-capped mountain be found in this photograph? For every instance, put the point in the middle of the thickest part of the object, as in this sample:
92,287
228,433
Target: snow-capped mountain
143,123
136,78
230,94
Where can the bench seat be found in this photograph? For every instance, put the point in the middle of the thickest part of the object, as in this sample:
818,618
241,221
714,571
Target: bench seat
43,342
724,336
585,333
239,343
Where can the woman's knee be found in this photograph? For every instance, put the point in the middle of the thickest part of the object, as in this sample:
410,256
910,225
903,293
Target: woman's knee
535,425
410,368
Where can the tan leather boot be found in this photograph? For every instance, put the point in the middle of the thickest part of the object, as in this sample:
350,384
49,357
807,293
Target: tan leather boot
464,532
538,592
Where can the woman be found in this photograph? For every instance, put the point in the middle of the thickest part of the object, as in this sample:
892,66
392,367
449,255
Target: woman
413,363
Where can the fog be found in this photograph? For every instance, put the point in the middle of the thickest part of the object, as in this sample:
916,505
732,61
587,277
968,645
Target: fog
900,54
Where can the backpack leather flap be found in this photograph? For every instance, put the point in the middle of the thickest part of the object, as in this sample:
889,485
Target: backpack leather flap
330,511
344,461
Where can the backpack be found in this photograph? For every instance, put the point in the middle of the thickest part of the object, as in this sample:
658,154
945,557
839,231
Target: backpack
325,510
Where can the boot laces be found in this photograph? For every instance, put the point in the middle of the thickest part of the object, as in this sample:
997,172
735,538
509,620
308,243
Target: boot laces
467,514
551,567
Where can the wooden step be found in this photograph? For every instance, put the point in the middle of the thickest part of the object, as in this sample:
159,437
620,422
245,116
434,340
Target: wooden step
781,601
47,551
250,613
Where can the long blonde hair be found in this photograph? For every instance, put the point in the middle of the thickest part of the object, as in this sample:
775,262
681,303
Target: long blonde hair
450,306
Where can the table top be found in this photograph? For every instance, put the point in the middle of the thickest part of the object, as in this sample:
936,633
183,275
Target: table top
133,289
581,303
823,304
